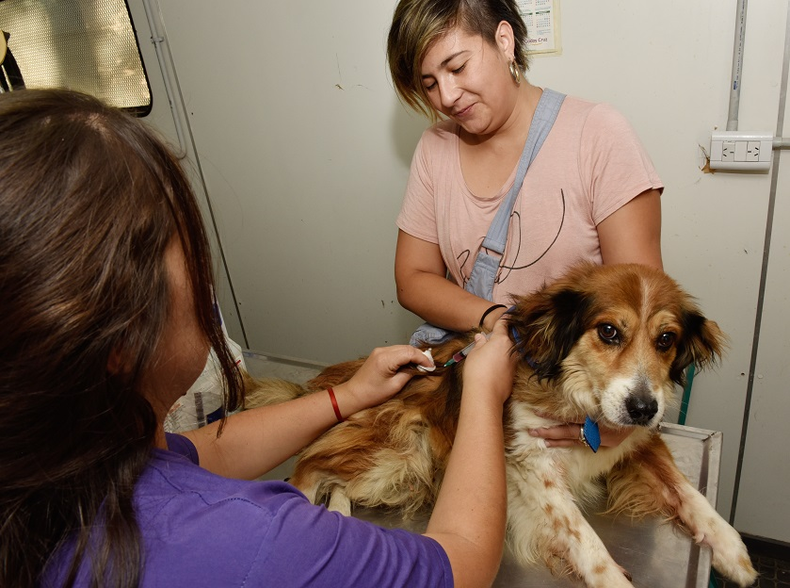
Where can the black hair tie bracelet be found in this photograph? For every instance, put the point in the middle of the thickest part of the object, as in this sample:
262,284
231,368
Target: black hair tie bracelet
489,311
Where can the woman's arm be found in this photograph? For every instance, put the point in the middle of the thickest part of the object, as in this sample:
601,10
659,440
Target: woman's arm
632,234
424,290
470,513
257,440
469,518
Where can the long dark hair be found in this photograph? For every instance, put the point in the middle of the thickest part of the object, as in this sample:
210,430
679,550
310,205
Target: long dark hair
89,200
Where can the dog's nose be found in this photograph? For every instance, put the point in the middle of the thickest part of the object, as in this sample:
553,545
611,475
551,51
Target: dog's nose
641,410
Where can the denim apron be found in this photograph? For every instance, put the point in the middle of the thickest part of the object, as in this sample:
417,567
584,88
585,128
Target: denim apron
484,271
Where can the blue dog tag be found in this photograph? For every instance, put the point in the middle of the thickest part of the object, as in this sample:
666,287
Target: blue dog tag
592,434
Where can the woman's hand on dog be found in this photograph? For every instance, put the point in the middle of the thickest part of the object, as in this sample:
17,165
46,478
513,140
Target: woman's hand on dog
490,364
379,378
568,435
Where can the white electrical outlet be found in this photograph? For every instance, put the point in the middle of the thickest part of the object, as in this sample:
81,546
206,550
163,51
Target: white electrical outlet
741,150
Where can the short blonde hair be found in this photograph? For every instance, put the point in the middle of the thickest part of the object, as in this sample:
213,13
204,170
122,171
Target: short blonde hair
416,24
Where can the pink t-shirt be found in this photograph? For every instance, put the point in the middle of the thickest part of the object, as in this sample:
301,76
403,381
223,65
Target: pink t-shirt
591,164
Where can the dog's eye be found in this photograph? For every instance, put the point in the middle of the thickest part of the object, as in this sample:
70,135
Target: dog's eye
608,334
665,341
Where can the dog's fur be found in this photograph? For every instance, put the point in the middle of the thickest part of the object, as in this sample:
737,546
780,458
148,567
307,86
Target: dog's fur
611,342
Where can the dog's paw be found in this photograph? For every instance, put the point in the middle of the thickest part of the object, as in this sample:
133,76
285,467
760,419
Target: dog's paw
730,557
707,527
736,567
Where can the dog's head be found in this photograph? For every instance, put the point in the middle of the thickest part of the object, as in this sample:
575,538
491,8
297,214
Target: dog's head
611,342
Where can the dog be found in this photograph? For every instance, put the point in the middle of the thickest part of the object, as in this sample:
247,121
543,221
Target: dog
606,342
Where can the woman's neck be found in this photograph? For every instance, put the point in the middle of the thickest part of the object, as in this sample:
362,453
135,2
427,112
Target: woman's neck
160,440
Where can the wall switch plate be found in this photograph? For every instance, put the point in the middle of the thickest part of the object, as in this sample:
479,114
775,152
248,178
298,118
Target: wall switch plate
741,150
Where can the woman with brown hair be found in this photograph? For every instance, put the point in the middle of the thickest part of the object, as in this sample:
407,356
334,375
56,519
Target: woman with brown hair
106,292
514,183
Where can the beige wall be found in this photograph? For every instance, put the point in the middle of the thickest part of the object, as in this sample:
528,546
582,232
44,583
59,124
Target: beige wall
304,150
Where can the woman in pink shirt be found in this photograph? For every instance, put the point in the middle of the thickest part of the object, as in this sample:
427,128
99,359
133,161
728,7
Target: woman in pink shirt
590,194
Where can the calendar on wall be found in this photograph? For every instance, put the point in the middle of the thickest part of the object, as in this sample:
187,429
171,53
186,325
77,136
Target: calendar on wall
543,30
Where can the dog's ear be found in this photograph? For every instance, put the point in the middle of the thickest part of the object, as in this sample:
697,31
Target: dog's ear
701,344
546,325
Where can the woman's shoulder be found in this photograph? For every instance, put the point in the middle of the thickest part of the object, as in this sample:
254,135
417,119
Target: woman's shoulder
441,133
587,109
437,148
171,477
582,124
175,490
594,123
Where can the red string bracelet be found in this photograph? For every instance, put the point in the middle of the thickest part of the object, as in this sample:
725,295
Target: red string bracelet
335,407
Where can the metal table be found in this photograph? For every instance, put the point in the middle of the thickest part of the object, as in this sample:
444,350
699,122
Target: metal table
655,553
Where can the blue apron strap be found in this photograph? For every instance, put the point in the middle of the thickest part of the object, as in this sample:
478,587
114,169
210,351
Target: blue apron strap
545,114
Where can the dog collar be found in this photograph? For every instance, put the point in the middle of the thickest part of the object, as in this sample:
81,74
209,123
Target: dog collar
516,339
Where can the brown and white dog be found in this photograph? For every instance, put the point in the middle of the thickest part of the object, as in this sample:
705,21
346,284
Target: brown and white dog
611,342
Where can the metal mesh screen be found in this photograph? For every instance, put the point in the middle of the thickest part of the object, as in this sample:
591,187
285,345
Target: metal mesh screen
85,45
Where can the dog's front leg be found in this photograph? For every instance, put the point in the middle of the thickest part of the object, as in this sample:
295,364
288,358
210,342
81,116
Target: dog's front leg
545,524
651,484
730,556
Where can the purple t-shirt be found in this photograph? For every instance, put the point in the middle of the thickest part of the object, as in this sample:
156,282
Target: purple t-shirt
200,529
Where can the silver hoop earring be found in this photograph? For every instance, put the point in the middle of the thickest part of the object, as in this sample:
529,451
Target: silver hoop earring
515,72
